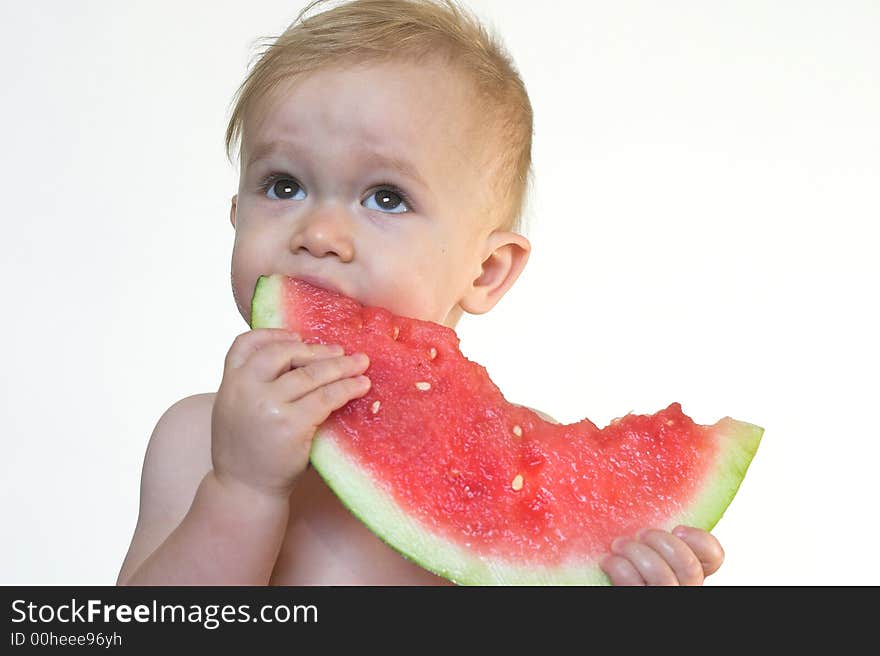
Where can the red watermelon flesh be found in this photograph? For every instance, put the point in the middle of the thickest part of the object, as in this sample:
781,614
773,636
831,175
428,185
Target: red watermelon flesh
444,469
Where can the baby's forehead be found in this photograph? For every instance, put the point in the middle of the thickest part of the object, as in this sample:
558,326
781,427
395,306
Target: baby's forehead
444,92
394,107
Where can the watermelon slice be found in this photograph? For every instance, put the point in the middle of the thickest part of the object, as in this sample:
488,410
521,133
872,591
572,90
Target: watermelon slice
440,466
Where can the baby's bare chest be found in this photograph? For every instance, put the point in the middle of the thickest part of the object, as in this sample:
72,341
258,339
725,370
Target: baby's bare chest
326,545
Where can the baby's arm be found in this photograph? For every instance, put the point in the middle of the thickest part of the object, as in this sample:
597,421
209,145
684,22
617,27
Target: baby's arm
275,391
190,526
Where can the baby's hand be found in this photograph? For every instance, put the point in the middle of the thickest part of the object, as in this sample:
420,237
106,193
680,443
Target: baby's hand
684,557
275,392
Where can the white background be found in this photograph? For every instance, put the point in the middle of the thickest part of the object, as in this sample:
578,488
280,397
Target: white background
704,230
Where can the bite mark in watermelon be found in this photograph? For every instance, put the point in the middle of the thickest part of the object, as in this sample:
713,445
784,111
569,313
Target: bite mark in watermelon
438,464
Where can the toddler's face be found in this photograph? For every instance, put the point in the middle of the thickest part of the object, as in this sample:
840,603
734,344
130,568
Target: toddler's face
365,179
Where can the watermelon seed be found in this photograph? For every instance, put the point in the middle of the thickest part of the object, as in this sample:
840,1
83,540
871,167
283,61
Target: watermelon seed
517,483
669,422
432,353
517,430
375,407
396,332
423,386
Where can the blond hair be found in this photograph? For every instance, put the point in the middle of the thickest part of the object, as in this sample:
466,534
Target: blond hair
376,30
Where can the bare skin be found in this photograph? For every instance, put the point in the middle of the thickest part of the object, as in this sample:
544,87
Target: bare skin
310,538
226,495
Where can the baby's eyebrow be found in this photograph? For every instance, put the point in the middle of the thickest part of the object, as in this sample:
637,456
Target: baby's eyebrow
401,165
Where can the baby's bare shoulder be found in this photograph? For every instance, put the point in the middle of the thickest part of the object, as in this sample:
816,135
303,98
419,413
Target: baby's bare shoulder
177,458
179,452
188,415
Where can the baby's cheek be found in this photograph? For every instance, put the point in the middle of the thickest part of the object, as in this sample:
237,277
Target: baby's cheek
416,295
243,279
241,300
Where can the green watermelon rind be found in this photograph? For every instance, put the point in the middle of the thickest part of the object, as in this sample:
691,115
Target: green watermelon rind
266,310
376,508
738,442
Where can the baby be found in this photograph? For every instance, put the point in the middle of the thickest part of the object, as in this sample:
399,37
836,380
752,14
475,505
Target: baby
385,151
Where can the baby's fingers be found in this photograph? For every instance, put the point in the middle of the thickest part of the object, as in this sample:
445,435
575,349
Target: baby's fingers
246,344
620,571
318,404
275,359
299,382
677,554
704,545
651,566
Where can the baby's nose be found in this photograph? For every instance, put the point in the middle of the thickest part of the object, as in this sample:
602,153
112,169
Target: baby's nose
324,233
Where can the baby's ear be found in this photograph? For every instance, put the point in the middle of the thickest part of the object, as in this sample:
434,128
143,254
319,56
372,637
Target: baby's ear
505,258
232,210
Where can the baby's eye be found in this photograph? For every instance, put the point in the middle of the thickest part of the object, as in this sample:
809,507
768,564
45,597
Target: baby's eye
389,199
283,188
